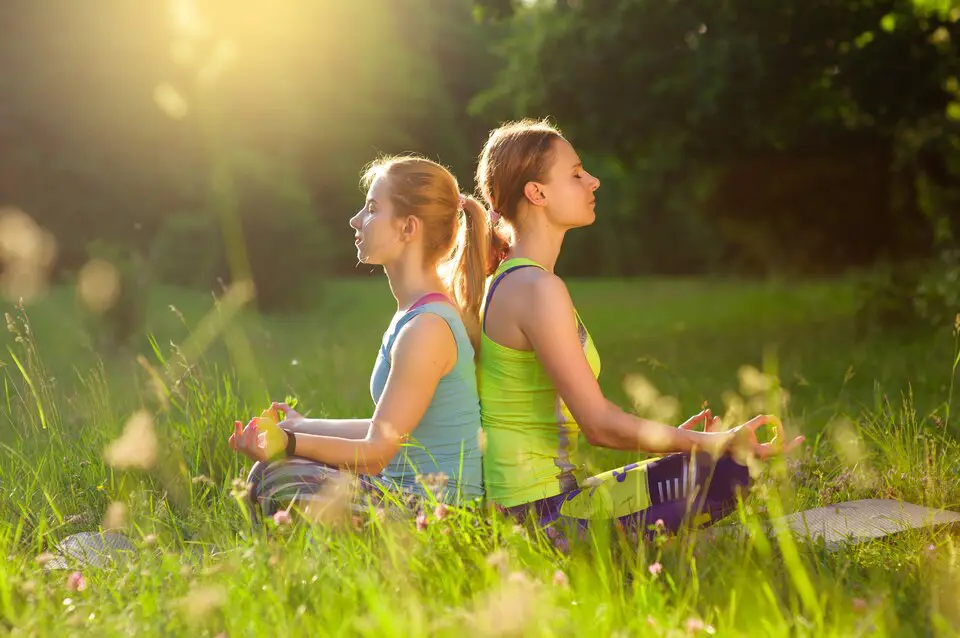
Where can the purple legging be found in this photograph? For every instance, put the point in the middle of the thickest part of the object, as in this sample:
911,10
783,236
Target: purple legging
712,497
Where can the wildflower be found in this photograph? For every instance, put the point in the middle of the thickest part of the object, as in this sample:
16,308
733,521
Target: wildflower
202,601
859,605
560,579
76,582
137,446
655,568
421,521
115,517
281,518
434,482
498,560
239,489
440,512
693,625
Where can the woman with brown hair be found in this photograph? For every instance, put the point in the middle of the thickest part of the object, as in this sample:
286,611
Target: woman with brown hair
538,367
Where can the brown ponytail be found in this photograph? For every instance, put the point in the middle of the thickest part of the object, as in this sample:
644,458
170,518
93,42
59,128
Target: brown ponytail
515,153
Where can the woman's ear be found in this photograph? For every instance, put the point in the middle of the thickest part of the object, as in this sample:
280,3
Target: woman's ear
534,194
410,227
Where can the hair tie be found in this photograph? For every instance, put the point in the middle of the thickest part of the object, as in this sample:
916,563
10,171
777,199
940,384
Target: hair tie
494,217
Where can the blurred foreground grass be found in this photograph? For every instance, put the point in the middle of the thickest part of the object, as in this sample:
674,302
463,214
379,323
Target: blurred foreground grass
873,409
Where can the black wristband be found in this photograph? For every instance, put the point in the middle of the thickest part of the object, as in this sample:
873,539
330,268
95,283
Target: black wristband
291,443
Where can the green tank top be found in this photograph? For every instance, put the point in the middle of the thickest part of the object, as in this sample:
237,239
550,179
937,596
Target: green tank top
531,438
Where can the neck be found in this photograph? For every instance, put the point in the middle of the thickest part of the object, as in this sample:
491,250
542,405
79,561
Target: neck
540,244
409,281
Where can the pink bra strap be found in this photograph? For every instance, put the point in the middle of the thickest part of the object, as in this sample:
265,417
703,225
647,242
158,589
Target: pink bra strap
430,297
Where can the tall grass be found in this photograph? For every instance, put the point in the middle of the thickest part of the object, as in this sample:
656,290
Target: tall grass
202,569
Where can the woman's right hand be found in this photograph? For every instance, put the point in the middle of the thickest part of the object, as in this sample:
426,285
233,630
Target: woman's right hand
710,423
743,438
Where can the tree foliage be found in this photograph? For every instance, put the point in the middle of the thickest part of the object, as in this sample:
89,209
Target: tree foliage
788,118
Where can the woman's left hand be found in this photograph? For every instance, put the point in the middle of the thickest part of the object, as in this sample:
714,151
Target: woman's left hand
249,441
290,416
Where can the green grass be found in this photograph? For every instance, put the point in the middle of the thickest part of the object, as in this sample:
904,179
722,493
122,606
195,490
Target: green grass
873,409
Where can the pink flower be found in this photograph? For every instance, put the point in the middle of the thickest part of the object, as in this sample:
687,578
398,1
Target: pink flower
440,512
859,605
693,625
659,524
655,568
421,521
281,518
76,582
560,579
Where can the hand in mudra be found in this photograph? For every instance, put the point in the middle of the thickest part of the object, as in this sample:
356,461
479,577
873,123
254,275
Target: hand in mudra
742,440
710,423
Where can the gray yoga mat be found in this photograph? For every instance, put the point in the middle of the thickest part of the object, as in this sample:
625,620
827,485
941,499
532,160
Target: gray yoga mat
91,549
864,520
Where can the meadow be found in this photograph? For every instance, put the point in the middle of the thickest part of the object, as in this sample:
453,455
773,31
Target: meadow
875,407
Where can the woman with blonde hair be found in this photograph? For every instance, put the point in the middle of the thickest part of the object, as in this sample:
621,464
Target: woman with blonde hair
432,242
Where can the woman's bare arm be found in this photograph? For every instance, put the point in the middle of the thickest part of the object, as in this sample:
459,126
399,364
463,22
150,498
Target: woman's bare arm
423,352
548,321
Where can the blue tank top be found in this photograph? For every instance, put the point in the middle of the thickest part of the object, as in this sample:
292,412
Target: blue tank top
447,438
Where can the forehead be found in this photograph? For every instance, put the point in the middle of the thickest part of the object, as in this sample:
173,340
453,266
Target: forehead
378,188
565,156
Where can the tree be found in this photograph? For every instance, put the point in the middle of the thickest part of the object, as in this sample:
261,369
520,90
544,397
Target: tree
758,105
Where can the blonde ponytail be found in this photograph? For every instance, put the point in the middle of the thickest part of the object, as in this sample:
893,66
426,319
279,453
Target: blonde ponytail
456,232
